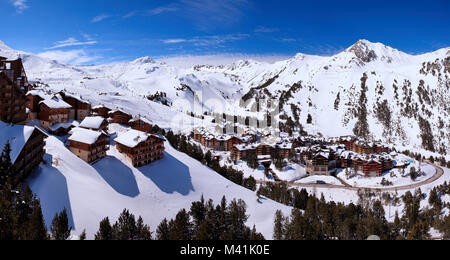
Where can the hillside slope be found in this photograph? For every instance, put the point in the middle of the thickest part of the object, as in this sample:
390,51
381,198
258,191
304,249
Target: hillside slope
157,191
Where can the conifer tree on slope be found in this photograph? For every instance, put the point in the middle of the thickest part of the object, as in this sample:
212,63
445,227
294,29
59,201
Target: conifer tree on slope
36,226
278,229
60,226
105,231
163,230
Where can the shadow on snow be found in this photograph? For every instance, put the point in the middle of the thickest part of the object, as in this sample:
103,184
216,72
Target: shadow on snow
118,175
53,193
170,175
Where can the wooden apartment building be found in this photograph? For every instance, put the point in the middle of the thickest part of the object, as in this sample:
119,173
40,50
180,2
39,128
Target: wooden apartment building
80,108
88,145
27,148
141,124
96,123
140,148
319,164
13,83
101,111
120,117
53,111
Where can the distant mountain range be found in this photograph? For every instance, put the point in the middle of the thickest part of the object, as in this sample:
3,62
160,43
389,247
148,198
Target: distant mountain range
369,89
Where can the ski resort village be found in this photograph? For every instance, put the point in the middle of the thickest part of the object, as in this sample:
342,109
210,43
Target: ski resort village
152,138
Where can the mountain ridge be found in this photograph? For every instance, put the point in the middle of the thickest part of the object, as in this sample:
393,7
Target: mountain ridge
406,96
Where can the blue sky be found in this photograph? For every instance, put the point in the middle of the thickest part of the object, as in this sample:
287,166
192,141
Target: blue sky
101,31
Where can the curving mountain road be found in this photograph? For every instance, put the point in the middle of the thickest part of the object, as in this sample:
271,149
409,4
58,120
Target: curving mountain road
346,186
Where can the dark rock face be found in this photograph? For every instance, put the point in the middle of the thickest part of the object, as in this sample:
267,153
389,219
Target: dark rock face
363,52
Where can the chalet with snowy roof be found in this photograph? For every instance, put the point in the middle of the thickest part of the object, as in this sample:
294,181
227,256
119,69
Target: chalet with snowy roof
88,145
231,142
362,147
80,108
120,117
101,111
53,111
33,98
13,84
141,124
197,135
284,149
319,159
243,152
319,164
27,148
212,142
346,159
62,129
263,149
139,147
370,165
96,123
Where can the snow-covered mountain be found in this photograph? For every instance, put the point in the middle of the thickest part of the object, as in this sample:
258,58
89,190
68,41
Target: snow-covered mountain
369,88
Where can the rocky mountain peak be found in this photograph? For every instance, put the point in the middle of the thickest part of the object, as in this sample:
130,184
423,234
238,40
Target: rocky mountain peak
364,50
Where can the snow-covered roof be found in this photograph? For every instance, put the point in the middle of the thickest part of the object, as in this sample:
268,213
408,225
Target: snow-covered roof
38,92
100,106
17,135
55,102
117,110
143,119
77,97
85,136
94,122
285,145
60,125
132,138
245,147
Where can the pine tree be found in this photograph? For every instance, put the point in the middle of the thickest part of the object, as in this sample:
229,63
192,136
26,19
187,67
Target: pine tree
125,227
105,231
163,230
142,231
396,227
60,226
6,167
83,235
255,236
7,214
198,212
250,183
181,229
419,231
433,197
204,231
278,230
36,227
309,120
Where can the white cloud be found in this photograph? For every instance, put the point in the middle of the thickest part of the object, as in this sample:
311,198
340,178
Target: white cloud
162,9
20,5
172,41
71,42
262,29
100,18
155,11
288,40
75,57
208,40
